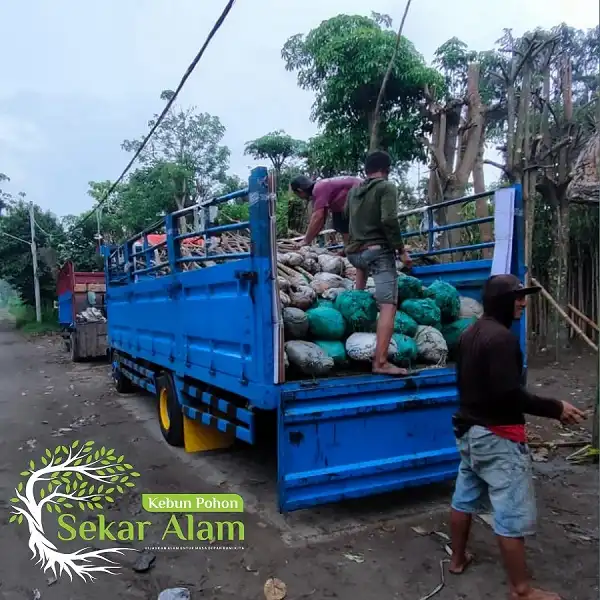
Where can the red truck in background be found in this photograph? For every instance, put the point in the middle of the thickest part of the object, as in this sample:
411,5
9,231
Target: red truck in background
82,312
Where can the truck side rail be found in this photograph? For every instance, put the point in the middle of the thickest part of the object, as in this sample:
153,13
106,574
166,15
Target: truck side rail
430,231
126,262
191,295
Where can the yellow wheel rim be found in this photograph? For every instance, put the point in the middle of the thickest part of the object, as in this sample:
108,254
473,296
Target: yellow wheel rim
164,409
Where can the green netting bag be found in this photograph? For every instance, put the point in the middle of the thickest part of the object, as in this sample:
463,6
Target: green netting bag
424,312
446,296
407,349
453,331
409,288
358,308
335,350
325,323
405,324
322,303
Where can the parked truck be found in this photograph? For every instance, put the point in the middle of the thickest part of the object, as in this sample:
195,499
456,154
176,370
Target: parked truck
82,312
209,344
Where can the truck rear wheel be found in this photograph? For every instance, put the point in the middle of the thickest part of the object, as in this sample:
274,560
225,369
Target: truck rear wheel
123,384
170,415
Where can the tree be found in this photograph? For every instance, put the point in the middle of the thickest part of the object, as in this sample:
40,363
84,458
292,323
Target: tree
331,153
192,141
5,197
70,477
16,263
551,83
232,183
343,61
80,245
277,146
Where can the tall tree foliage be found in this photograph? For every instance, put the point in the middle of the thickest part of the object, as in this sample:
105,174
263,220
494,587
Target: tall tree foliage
16,262
193,141
277,146
343,61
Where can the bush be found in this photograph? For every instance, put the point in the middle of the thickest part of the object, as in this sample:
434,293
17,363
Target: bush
25,318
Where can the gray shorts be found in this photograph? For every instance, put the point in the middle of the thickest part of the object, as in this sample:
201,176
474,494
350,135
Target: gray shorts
380,264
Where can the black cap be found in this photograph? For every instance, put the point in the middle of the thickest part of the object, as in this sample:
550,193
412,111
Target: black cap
500,285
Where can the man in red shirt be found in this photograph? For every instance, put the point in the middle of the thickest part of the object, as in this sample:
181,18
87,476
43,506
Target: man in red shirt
491,437
327,195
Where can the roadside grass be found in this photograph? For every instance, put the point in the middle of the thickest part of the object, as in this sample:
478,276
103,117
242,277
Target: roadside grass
24,316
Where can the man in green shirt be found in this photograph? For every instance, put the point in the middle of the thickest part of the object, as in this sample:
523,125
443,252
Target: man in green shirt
374,242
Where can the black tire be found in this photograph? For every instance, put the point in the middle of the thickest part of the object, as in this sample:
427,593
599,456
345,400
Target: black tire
123,384
73,348
170,415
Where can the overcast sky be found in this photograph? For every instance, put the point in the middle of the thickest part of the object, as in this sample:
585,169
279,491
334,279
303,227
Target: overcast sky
79,77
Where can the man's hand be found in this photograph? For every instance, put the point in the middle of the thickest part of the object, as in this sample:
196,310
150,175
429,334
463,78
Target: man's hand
406,259
571,415
298,245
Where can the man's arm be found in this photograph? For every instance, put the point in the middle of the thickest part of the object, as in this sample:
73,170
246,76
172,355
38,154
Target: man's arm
316,224
505,381
389,217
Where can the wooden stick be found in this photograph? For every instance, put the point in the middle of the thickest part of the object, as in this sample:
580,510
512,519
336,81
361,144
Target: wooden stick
558,444
583,317
564,315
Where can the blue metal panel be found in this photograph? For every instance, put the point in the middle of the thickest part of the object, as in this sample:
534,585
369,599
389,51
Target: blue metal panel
212,324
350,437
65,309
363,436
199,324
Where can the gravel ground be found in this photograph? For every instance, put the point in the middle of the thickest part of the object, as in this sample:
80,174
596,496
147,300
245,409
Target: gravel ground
373,549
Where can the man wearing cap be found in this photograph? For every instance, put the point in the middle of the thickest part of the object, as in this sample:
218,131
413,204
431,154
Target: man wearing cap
491,437
327,195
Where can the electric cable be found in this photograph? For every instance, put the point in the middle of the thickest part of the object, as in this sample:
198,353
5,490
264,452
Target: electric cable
166,109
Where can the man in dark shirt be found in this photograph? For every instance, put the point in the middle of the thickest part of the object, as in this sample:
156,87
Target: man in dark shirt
327,195
491,437
374,241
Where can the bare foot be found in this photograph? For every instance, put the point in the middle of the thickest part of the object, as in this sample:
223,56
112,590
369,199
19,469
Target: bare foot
389,369
459,565
534,594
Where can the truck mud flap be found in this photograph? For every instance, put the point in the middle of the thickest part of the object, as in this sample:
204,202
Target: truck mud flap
365,436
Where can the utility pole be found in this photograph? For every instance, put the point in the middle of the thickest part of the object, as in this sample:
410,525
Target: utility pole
36,281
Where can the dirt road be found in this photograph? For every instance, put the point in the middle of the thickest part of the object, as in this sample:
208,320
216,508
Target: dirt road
369,550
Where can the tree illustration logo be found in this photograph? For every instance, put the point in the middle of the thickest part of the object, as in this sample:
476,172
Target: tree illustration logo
70,478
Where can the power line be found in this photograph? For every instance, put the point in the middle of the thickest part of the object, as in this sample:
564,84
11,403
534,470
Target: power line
188,72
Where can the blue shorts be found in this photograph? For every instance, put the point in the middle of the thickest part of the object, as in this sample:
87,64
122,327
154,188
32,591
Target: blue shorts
496,471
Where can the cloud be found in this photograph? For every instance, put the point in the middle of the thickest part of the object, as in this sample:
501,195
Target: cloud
84,76
20,135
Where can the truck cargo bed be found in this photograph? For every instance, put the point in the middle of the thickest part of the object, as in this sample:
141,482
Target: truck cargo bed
212,336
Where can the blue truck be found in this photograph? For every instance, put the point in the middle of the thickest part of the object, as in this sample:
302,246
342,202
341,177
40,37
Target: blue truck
209,344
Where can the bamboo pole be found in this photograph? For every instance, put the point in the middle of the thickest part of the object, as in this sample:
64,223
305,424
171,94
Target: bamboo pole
565,316
583,317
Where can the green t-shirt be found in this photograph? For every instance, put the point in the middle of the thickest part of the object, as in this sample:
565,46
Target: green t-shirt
372,212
